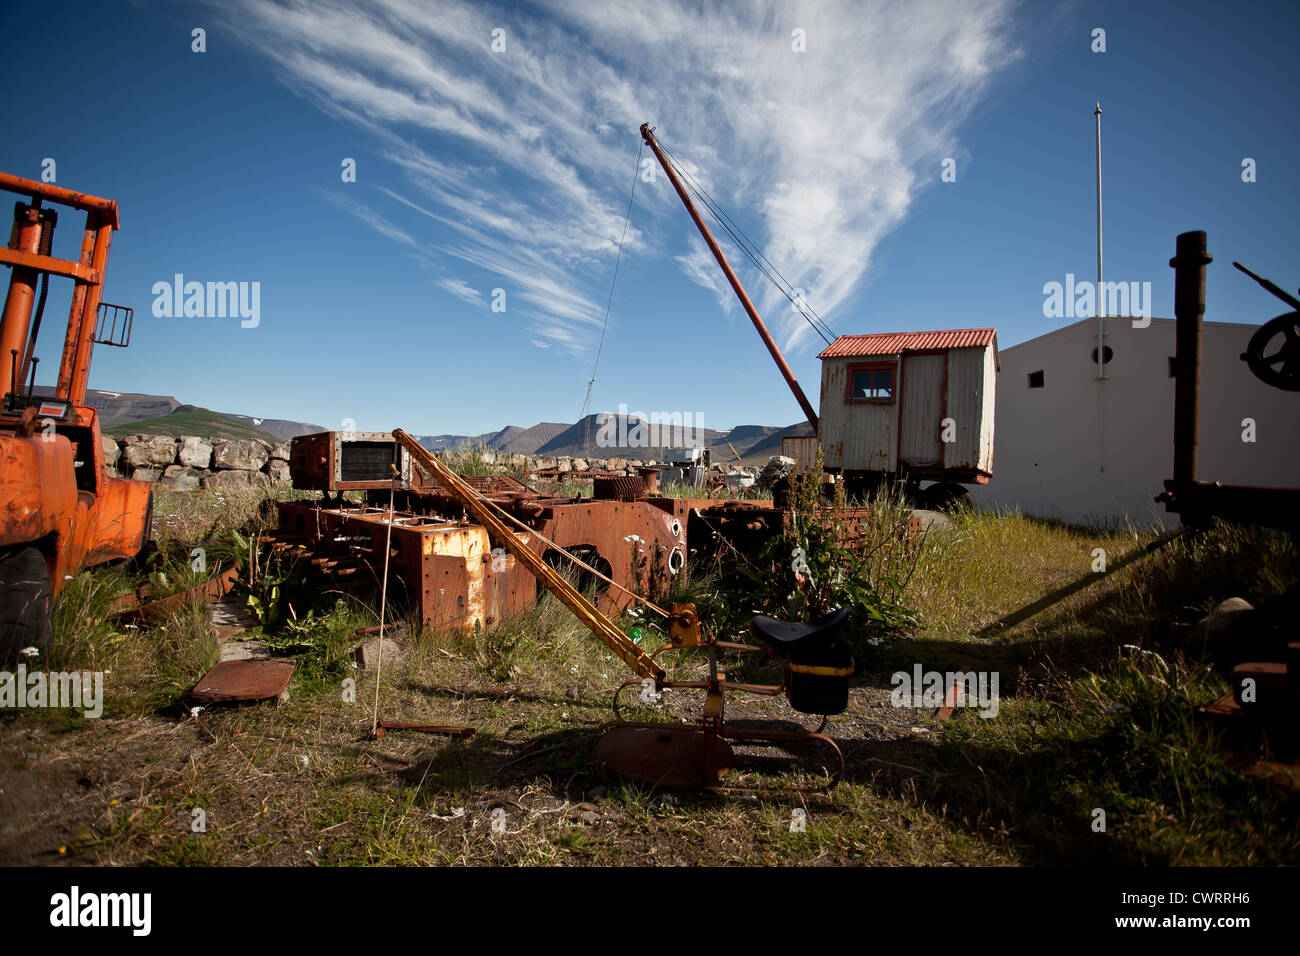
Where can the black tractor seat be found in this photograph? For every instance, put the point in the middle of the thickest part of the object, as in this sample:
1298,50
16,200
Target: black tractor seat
791,636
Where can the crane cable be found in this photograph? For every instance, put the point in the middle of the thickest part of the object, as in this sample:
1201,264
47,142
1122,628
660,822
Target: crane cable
586,405
750,248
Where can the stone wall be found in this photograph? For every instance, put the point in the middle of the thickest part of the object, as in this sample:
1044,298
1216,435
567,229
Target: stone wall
188,463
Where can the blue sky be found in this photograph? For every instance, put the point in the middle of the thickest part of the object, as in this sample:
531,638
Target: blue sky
480,170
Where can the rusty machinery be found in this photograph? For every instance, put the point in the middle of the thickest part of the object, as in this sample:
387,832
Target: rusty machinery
60,510
815,664
1273,356
473,550
454,576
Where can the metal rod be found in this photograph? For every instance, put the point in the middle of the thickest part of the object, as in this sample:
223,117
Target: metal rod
551,579
1101,300
1188,264
736,287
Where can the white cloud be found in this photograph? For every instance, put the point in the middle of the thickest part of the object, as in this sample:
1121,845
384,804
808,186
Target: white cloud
527,154
461,289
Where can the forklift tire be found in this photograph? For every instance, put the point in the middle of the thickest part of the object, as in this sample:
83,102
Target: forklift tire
25,604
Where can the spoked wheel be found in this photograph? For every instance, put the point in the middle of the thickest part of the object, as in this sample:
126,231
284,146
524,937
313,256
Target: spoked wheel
26,599
1274,352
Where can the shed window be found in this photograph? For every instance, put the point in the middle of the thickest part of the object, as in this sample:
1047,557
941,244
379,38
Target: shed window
1036,379
871,383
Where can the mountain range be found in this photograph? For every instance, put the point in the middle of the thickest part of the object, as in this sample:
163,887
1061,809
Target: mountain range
596,436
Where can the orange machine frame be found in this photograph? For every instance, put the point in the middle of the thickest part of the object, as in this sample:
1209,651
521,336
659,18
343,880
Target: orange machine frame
55,492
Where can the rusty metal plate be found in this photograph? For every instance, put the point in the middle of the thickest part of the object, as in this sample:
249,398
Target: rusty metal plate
664,756
233,681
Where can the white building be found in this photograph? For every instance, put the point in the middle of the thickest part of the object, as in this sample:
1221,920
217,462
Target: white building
1089,451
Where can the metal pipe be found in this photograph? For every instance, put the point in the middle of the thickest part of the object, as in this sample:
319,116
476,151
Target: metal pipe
1101,300
16,319
1188,264
736,287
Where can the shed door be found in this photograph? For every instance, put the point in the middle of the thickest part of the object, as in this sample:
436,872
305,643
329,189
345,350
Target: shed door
921,415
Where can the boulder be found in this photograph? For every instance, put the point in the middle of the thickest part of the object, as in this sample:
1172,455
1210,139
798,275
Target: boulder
564,465
150,450
233,480
194,452
277,470
542,463
488,457
181,478
280,452
240,453
598,464
579,464
146,474
112,451
616,464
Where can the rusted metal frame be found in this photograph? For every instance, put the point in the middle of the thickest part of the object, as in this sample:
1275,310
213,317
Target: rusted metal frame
57,194
55,267
15,325
586,612
448,729
580,563
136,605
732,279
90,308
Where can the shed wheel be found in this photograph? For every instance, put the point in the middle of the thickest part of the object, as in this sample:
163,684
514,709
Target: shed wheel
26,599
947,496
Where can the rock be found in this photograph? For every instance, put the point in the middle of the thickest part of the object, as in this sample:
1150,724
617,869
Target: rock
233,480
564,465
777,467
1200,640
488,457
181,478
112,451
597,464
280,452
580,464
633,463
151,450
616,464
367,655
277,470
542,463
194,452
146,474
240,453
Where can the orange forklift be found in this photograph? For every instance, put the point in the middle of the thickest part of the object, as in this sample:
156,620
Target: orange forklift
59,510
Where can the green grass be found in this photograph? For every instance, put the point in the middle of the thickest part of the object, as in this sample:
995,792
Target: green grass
1084,723
205,424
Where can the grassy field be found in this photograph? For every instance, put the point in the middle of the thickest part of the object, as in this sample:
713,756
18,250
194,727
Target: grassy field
204,423
1096,711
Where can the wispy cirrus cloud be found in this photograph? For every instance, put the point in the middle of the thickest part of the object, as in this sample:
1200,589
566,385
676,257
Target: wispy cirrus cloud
518,161
461,289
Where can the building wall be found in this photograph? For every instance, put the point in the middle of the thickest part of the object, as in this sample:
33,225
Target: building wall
1085,451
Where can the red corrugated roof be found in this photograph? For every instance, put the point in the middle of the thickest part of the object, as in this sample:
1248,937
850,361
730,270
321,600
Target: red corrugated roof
892,343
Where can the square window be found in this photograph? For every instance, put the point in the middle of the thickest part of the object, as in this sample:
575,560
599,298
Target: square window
1036,379
871,383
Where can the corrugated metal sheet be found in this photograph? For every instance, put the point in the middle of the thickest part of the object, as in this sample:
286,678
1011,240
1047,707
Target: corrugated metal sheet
892,343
